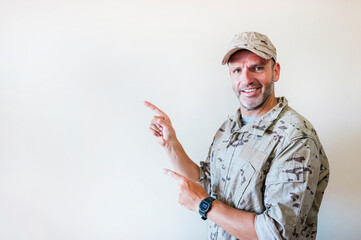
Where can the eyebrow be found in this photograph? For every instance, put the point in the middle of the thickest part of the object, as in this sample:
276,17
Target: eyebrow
262,63
259,63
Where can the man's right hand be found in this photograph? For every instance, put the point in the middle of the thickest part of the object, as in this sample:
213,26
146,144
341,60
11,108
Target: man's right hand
161,126
162,129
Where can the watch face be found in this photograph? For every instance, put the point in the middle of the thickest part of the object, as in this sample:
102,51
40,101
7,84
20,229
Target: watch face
204,206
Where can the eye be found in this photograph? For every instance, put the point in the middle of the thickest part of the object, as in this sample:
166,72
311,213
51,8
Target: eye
237,70
258,68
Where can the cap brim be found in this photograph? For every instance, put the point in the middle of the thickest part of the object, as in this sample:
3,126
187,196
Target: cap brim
232,51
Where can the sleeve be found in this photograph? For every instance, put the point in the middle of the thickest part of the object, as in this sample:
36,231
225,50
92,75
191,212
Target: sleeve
204,171
290,188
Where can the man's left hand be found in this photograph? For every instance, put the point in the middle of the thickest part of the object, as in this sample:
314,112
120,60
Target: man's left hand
191,193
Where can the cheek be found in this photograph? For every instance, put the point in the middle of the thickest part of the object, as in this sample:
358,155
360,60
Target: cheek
235,87
265,79
234,84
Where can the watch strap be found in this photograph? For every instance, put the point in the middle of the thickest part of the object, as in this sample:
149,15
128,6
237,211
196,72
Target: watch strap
209,201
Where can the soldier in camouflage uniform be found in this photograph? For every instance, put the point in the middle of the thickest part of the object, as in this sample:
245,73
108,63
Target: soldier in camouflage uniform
266,167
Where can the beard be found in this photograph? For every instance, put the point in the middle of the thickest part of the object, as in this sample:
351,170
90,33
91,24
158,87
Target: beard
259,100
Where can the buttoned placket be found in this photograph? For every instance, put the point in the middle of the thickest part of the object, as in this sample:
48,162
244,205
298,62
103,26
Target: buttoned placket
236,136
229,154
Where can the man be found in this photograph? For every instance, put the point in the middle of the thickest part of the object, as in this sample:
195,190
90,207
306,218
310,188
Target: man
266,170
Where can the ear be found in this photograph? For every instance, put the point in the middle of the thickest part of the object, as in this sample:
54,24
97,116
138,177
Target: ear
276,72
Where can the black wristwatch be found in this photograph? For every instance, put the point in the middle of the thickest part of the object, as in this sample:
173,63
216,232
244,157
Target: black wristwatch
205,206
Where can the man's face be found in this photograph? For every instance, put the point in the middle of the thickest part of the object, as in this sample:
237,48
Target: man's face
252,78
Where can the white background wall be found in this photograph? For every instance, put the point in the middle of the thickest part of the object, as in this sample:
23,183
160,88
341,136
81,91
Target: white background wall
76,158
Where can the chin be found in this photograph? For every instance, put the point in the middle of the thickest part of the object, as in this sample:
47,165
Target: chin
250,106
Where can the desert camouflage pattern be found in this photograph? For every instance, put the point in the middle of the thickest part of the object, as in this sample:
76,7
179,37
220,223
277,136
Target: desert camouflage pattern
274,166
254,42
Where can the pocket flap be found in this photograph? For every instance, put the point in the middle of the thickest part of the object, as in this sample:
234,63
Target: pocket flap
290,173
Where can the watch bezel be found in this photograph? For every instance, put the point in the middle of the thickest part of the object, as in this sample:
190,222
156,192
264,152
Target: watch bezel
204,210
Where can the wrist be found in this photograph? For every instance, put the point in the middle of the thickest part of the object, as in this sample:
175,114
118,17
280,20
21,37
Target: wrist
198,201
172,145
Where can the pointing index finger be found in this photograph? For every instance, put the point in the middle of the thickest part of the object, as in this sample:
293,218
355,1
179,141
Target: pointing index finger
155,109
174,175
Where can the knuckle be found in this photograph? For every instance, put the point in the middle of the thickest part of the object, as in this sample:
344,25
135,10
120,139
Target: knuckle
183,182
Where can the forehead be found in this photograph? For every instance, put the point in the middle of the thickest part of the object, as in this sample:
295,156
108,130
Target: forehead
246,57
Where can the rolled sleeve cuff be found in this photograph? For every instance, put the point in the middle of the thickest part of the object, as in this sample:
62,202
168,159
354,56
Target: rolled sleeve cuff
203,178
201,175
265,227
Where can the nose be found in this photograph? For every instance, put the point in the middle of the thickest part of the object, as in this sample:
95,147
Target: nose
245,78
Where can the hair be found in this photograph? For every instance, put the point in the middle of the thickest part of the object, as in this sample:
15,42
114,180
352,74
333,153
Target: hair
273,62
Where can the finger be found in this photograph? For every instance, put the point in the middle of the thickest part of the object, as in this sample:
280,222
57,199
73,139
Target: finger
155,109
161,141
160,122
155,133
156,118
161,125
174,175
155,125
160,133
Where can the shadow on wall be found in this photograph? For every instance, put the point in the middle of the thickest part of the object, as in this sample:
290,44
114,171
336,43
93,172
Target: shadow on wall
340,211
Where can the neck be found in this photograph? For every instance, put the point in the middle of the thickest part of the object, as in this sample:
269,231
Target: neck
261,110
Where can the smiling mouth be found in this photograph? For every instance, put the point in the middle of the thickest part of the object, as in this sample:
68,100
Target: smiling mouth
249,90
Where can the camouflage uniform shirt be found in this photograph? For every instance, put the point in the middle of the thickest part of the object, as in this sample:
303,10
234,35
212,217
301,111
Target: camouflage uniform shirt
274,166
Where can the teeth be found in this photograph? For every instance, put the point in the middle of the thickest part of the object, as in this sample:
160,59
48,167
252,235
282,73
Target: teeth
249,90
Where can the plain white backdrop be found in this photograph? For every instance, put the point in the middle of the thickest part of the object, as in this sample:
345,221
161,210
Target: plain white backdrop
76,158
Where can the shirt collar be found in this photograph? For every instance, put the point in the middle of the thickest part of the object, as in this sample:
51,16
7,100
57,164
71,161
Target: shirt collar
259,126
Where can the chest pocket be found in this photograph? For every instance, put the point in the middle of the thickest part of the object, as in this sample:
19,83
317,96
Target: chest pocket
246,170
